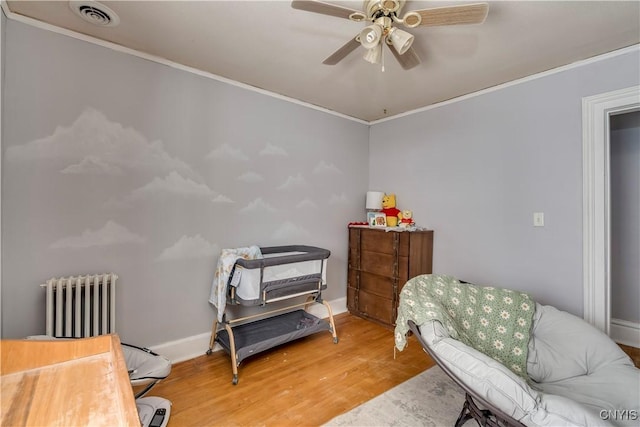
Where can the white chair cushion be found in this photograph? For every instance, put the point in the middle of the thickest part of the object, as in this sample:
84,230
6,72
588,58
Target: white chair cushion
569,357
500,387
565,346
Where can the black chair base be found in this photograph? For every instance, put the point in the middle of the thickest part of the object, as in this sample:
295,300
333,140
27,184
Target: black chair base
484,417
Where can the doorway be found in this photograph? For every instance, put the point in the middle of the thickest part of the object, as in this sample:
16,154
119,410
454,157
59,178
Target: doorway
625,227
597,111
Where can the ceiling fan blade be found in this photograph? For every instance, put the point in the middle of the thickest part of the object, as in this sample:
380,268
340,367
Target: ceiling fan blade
324,8
408,60
453,15
339,54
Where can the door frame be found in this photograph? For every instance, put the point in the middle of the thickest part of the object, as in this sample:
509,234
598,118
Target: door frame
596,209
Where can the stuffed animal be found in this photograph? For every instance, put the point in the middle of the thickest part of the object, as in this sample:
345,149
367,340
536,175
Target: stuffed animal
390,210
406,219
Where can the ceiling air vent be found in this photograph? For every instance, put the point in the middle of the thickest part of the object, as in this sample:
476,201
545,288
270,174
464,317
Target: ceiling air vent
95,13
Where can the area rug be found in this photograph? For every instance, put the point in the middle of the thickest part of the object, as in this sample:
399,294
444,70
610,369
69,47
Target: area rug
428,399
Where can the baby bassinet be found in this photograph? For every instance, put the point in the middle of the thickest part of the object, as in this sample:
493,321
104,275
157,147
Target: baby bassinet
276,273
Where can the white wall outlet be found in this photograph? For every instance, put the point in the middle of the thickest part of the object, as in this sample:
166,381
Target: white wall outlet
538,219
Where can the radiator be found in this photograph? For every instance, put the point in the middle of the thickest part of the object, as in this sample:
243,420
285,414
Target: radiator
81,306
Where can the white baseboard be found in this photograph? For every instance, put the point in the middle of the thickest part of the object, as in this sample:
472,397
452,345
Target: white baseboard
197,345
185,348
625,332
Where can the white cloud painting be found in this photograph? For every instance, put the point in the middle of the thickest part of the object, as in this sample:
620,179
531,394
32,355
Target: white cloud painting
188,248
111,233
293,182
93,165
93,141
174,184
258,205
221,198
227,152
324,168
307,204
290,232
251,177
273,150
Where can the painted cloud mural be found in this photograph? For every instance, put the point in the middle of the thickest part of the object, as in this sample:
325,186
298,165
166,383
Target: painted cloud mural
258,205
251,177
93,141
93,165
93,145
326,169
227,152
273,150
293,182
175,184
110,234
190,247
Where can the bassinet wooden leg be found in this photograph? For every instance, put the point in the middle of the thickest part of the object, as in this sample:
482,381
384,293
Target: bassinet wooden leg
214,334
310,300
232,350
333,325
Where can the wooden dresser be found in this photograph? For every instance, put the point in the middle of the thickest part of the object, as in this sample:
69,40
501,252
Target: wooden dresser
380,263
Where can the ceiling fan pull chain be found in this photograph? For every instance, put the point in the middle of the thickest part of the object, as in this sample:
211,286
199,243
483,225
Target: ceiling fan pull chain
382,55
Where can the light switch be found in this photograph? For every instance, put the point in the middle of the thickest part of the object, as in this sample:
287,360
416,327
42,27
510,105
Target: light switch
538,219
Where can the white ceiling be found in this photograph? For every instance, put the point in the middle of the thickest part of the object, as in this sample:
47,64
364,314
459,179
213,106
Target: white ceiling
269,45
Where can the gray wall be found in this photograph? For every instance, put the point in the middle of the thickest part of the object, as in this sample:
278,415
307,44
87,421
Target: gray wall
475,171
112,163
625,217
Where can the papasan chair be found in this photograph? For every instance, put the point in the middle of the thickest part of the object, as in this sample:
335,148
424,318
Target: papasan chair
519,362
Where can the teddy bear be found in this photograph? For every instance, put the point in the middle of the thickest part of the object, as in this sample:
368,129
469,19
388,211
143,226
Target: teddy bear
406,218
390,210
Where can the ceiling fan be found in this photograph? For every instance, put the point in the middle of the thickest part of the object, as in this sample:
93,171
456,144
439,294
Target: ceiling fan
383,15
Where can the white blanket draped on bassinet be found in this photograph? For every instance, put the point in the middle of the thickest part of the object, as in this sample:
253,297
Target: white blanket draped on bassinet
228,257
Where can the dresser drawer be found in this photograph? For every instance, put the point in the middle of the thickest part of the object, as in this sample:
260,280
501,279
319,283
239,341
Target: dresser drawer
377,285
375,307
372,283
378,263
384,242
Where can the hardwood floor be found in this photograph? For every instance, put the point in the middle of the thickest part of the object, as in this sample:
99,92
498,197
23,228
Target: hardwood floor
307,382
633,352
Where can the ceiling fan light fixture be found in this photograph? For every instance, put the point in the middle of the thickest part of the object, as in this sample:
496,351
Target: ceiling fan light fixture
370,36
383,16
391,5
401,40
357,16
373,55
412,19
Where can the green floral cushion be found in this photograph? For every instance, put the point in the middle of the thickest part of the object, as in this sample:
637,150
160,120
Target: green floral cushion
492,320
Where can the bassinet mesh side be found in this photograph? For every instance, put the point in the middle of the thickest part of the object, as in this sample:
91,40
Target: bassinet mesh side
255,282
283,288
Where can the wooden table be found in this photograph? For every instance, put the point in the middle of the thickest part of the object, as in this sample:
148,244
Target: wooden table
77,382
